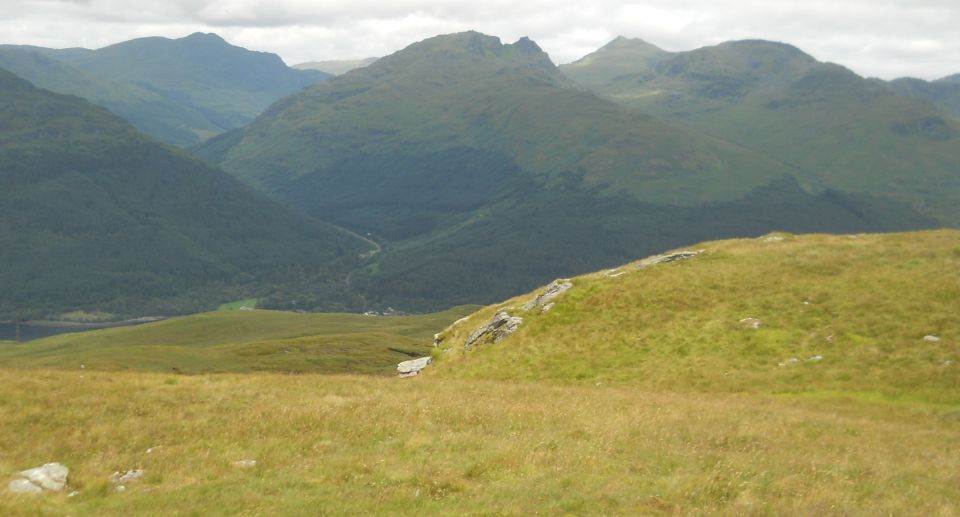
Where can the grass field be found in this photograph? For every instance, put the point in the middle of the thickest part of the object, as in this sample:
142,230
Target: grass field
342,445
639,393
243,341
863,304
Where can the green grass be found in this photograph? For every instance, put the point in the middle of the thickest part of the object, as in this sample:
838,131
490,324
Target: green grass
250,303
864,303
243,341
341,445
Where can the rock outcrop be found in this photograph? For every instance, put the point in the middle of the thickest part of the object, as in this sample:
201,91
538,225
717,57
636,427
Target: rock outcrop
413,367
552,291
51,477
498,328
670,257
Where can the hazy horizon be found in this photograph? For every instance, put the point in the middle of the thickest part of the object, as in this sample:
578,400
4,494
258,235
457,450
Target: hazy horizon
898,38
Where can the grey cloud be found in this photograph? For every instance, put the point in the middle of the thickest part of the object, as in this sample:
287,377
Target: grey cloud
887,39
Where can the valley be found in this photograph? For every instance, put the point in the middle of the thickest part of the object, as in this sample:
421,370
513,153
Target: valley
718,281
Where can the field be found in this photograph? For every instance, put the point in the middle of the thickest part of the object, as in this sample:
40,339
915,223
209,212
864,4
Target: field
243,341
347,445
641,392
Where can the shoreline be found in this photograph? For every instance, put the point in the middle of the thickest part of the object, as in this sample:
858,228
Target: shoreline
85,324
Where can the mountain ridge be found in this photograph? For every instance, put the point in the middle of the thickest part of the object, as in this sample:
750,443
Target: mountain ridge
98,217
459,149
181,90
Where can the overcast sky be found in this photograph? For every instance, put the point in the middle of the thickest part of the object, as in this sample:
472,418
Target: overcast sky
883,38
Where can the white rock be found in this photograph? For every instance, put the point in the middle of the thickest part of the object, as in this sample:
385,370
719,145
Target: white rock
23,486
52,476
773,238
547,307
750,323
245,464
122,478
815,359
931,339
73,494
412,367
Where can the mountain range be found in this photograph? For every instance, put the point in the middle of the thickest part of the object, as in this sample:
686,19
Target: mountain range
484,169
182,91
844,131
95,216
457,170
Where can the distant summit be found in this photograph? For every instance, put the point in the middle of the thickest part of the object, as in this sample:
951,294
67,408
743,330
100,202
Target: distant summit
181,90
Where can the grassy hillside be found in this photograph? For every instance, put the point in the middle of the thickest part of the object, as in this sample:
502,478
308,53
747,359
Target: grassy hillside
861,303
243,341
182,91
459,151
850,133
96,216
344,445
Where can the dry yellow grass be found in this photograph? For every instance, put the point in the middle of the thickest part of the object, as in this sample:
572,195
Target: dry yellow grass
341,445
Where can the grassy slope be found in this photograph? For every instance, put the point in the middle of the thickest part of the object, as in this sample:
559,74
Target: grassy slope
343,445
864,303
243,341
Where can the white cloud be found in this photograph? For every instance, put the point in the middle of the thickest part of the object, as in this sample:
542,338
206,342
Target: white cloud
887,39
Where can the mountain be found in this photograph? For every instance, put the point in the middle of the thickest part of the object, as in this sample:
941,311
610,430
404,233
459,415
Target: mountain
95,216
782,313
484,171
850,133
606,65
944,93
181,91
336,67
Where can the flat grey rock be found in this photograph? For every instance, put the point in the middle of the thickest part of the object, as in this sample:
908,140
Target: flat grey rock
413,367
23,486
52,476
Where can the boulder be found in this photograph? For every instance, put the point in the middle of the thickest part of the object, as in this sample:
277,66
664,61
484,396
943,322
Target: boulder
931,339
555,289
750,323
245,464
412,367
496,330
23,486
52,476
